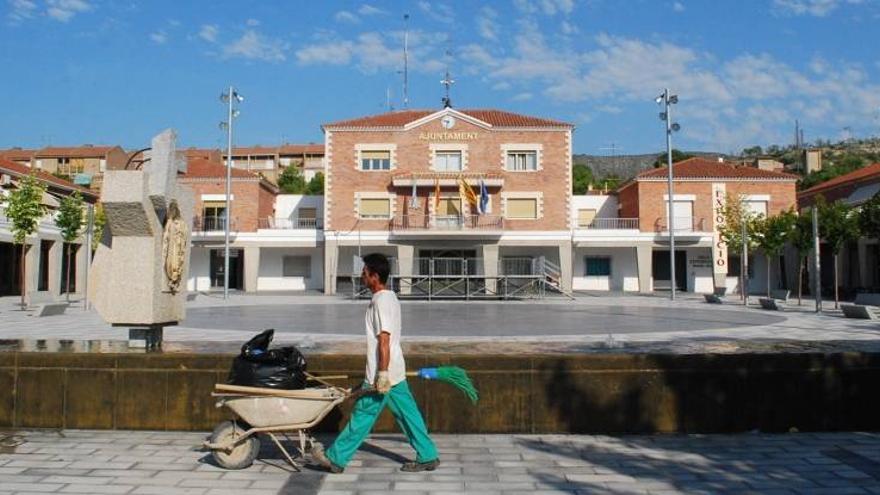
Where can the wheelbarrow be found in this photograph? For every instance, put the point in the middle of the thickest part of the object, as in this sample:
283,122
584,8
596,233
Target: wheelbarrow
235,443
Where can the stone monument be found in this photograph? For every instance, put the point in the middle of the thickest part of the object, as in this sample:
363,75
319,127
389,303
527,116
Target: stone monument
138,275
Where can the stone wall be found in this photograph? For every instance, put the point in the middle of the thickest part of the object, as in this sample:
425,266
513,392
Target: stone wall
523,394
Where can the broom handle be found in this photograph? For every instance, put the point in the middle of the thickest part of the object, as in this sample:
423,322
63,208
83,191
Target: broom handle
313,378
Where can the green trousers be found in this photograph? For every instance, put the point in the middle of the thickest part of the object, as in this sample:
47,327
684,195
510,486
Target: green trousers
366,411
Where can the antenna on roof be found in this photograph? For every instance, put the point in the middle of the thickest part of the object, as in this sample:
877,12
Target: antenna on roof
447,82
614,149
405,61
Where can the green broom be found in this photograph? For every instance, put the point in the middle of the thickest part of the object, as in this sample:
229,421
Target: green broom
453,375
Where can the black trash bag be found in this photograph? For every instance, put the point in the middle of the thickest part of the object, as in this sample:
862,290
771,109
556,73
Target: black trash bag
258,366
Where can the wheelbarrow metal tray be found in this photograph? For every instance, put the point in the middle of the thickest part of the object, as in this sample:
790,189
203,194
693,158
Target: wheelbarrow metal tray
270,408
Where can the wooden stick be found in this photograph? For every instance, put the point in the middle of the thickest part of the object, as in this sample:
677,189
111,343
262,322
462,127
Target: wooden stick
238,389
326,377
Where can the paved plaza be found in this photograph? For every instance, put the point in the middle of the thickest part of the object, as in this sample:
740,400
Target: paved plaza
170,463
307,319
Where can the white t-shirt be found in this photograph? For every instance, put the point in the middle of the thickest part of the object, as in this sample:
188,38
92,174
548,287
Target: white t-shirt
383,314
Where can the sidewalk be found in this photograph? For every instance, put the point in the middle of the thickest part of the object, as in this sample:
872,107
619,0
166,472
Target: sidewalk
127,462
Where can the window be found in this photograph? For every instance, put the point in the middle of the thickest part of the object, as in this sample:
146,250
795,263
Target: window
375,208
518,161
376,160
449,207
297,266
597,266
524,208
585,217
447,161
755,207
310,213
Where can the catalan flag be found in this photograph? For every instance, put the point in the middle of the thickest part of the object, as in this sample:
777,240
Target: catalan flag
467,193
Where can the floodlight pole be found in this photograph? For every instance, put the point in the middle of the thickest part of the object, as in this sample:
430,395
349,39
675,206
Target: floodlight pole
817,267
228,219
671,207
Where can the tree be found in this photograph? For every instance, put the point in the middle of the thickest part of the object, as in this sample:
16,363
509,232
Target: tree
315,187
69,221
582,177
24,208
869,218
292,181
773,232
802,240
677,156
753,151
838,224
736,219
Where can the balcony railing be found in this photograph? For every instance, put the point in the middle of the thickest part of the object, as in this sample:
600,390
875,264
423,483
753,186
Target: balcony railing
290,223
211,224
612,224
447,222
681,224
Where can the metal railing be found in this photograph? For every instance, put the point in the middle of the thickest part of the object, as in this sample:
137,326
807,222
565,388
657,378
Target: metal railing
682,224
447,222
612,224
290,223
211,224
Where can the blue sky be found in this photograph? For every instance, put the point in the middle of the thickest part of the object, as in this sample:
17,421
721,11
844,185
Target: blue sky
117,72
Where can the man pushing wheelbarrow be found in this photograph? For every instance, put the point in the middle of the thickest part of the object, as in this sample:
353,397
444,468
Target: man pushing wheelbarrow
386,372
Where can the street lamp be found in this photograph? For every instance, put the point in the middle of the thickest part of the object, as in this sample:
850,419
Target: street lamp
229,97
666,100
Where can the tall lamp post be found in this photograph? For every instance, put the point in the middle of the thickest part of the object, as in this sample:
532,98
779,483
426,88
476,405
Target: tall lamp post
666,100
229,97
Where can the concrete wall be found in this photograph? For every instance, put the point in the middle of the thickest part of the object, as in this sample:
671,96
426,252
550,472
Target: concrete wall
271,270
624,271
610,393
199,269
605,206
287,204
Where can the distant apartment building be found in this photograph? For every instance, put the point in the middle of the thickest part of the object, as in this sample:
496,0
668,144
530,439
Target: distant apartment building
813,160
22,156
45,254
621,241
270,161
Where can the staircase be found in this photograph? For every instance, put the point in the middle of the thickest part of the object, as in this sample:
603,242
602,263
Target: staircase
552,276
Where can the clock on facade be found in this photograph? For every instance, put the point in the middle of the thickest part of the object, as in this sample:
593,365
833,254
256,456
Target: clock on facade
448,122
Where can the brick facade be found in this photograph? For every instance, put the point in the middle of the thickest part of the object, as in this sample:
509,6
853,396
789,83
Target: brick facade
413,154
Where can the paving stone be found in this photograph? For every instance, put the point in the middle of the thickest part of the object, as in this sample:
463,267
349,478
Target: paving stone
97,489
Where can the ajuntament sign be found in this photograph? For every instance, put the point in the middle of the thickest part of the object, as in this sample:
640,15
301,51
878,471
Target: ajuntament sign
448,136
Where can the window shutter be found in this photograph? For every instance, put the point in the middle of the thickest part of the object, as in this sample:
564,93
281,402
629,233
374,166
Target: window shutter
375,207
522,208
375,155
585,217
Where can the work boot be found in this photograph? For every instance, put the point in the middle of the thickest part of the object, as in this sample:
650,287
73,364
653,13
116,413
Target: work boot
415,467
322,461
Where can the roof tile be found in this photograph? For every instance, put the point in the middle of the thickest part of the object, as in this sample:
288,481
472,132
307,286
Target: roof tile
20,170
497,118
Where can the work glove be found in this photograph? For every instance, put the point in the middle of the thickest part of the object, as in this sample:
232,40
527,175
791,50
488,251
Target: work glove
383,383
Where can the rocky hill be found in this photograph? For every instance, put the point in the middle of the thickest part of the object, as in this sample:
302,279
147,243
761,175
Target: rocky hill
627,166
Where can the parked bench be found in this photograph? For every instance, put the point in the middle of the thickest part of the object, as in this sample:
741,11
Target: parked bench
858,311
51,309
716,295
769,303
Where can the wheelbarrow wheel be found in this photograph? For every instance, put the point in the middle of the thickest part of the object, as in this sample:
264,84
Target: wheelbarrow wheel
242,454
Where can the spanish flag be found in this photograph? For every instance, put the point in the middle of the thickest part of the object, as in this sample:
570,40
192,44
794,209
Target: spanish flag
467,193
436,194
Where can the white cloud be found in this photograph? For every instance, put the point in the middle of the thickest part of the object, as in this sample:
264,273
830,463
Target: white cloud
159,37
501,86
209,32
372,52
440,12
552,7
255,46
367,9
817,8
252,22
487,25
65,10
678,6
568,28
346,16
20,10
522,96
